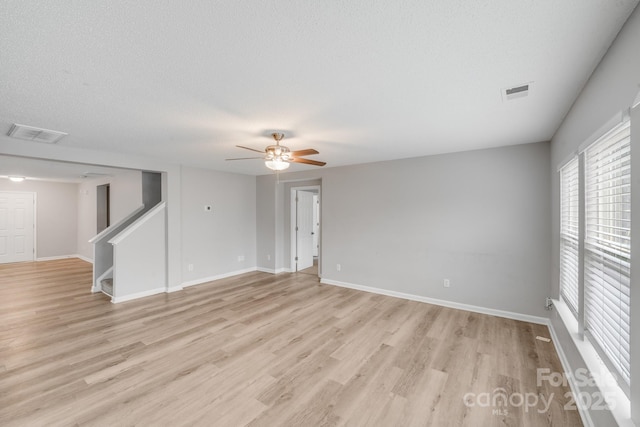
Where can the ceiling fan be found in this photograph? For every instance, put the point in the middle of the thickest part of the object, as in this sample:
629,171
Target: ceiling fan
278,157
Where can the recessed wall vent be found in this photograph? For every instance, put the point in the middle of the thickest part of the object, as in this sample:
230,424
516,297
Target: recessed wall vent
515,92
35,134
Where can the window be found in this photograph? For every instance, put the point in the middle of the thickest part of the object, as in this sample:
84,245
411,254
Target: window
569,237
607,247
595,260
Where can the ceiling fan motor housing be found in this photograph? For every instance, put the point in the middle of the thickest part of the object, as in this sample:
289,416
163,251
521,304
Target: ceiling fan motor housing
277,151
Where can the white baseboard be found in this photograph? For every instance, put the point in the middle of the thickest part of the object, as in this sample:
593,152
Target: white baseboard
54,258
272,271
84,258
217,277
137,295
444,303
174,289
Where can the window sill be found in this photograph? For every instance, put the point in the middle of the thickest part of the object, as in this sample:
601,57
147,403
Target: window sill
620,404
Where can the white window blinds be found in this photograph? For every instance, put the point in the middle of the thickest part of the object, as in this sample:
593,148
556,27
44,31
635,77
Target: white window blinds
569,208
607,254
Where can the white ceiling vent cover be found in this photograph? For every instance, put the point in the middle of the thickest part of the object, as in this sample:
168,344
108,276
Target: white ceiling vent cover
519,91
31,133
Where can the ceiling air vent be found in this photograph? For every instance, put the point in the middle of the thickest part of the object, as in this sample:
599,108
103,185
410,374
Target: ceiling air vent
519,91
31,133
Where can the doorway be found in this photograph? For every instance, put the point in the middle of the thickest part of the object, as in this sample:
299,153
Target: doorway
305,229
17,227
103,207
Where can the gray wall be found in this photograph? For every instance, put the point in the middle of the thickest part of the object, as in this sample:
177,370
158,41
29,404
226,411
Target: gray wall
212,241
480,219
266,223
611,89
126,196
56,215
151,189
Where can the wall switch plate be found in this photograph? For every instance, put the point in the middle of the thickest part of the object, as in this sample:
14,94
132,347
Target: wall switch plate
447,283
268,257
190,267
338,267
240,258
208,208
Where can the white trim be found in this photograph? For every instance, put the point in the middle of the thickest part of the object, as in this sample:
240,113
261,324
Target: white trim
34,253
174,289
272,271
636,102
217,277
604,380
614,121
444,303
110,228
570,157
137,223
293,244
116,300
84,258
57,257
566,367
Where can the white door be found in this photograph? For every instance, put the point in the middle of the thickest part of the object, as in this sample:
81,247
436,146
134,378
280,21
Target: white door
316,224
304,231
16,227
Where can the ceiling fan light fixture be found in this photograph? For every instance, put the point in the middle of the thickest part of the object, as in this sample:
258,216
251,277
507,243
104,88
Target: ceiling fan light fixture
277,164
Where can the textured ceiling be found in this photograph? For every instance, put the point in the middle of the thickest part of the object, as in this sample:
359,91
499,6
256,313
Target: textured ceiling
44,170
358,80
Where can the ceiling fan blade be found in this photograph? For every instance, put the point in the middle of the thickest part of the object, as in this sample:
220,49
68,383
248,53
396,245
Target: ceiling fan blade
307,161
306,152
252,149
246,158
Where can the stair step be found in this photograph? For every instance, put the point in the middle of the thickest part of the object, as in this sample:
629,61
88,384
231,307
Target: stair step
106,285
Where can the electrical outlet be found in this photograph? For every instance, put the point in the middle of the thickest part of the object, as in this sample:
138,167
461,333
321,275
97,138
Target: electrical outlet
240,258
338,267
269,257
190,267
447,283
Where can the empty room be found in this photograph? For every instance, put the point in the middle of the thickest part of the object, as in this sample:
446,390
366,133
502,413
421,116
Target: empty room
287,213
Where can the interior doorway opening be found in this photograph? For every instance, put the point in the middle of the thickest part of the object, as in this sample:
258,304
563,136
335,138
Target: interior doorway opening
103,208
306,229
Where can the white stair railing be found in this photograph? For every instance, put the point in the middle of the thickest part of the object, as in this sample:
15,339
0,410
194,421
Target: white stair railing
103,251
139,257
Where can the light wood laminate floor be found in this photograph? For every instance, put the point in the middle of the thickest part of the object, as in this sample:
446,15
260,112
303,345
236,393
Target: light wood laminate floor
257,350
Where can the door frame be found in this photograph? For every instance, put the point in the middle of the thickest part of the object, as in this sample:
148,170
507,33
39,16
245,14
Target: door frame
293,222
35,219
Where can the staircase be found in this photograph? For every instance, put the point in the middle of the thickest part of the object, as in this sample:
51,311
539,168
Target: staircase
129,257
106,286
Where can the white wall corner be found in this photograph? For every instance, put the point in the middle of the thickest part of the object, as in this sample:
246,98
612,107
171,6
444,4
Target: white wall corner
84,258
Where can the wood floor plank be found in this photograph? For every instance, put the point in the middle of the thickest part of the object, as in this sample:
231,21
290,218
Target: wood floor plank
258,350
